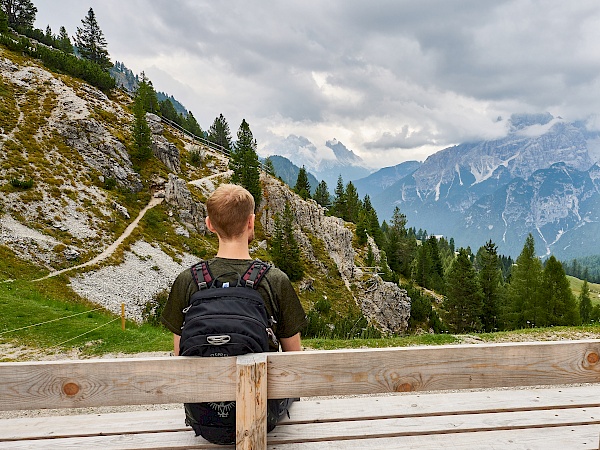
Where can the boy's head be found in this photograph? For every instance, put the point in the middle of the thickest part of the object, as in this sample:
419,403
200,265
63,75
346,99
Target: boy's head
229,209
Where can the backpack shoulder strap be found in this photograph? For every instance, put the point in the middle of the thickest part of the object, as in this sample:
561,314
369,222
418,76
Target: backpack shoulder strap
255,272
201,268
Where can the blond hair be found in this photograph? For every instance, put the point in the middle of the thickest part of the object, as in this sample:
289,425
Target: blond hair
229,208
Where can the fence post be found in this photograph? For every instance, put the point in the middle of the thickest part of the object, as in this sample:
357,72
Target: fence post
251,402
122,316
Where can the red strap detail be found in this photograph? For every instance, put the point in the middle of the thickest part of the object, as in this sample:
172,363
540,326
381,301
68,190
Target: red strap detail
205,273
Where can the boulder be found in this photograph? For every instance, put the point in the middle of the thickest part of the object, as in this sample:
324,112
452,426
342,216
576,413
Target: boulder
191,213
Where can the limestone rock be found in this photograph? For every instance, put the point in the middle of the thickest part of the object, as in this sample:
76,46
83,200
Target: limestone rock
164,150
167,152
100,150
385,304
178,196
71,253
155,123
121,210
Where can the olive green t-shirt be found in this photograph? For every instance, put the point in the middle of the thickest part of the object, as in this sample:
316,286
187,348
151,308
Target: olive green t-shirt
275,289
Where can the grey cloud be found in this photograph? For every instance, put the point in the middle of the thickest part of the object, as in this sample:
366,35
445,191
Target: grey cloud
431,64
403,140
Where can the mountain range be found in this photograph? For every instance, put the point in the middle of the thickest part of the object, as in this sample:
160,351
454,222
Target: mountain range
326,163
542,178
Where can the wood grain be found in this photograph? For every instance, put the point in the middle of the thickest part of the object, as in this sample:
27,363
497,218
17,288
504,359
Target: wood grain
251,402
114,382
373,371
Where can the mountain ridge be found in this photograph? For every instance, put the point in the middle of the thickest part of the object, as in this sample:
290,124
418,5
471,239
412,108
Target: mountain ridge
443,193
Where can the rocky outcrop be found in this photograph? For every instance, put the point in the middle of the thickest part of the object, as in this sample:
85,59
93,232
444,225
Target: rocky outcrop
165,151
384,304
101,151
177,195
71,117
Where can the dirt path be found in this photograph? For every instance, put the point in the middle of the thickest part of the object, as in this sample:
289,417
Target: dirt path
112,247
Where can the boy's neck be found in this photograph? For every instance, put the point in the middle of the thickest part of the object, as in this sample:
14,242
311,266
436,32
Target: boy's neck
234,249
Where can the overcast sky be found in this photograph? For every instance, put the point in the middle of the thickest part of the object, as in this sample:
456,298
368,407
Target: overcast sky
392,80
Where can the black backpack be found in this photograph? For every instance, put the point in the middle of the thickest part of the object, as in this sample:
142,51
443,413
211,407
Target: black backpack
224,320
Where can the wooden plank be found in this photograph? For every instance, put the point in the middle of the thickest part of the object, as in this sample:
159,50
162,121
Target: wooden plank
325,410
428,403
113,382
569,438
251,402
148,441
137,381
371,371
93,424
501,431
433,425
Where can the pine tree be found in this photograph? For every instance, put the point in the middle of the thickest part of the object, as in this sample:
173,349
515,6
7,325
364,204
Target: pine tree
463,303
490,278
302,187
524,291
191,124
560,304
284,248
244,163
20,13
269,167
146,95
362,227
64,41
322,196
585,303
353,204
373,227
400,248
219,133
3,22
91,43
142,135
338,207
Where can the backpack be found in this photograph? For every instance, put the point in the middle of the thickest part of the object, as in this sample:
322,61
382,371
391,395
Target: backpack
224,320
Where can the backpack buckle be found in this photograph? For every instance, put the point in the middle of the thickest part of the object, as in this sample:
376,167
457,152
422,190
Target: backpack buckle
218,340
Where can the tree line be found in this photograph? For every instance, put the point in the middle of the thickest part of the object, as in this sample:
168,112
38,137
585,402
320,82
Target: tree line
482,292
88,59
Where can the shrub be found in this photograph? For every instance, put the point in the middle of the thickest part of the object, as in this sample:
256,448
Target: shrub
154,308
109,183
195,158
21,184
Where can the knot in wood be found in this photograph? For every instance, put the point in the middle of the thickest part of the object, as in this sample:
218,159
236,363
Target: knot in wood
404,387
71,389
593,358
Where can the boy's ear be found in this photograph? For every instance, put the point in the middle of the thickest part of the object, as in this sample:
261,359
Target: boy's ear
209,225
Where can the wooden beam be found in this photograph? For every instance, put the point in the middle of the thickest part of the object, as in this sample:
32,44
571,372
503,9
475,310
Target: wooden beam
137,381
115,382
475,366
251,402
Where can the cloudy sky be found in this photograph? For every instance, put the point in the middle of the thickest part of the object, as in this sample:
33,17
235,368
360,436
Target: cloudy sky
393,80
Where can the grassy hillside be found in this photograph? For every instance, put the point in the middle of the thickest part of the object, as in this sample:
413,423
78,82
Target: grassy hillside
576,284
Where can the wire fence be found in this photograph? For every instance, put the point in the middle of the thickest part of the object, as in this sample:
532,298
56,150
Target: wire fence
49,321
87,332
69,317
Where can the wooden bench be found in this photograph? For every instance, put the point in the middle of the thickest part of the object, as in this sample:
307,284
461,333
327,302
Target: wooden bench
410,416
